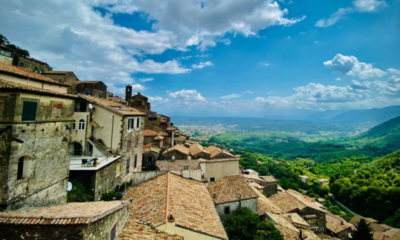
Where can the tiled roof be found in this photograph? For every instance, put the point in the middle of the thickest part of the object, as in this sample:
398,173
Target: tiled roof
195,149
27,73
214,151
294,218
150,147
140,230
290,200
219,160
159,138
84,81
149,133
252,176
164,134
228,188
181,139
57,72
268,178
67,214
113,106
4,84
187,200
265,205
179,148
256,185
336,224
167,165
287,230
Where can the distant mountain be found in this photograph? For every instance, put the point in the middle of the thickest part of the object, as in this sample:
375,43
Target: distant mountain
385,136
375,115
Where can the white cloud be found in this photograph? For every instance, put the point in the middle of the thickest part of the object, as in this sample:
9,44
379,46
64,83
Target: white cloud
146,79
358,6
390,88
369,5
138,87
350,66
230,96
248,92
204,23
158,100
394,71
187,96
202,65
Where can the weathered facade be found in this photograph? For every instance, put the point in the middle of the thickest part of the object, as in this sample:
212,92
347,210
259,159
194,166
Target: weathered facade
75,221
30,63
61,76
92,88
215,170
34,149
176,152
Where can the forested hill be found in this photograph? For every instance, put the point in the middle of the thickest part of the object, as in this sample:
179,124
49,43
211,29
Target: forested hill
384,136
376,115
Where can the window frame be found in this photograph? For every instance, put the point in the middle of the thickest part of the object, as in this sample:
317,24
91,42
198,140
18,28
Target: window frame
29,111
128,166
81,124
137,126
212,179
135,162
131,123
227,210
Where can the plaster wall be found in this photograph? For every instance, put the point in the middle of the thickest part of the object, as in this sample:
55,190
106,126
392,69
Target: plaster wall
249,203
219,170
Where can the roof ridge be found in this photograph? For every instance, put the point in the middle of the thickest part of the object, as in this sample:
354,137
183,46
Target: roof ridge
223,188
167,204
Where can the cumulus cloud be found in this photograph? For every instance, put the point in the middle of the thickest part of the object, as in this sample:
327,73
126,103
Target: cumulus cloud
394,71
138,87
350,66
390,88
230,96
187,96
358,6
202,65
204,23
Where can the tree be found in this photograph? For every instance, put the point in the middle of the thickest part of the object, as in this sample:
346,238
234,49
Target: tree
245,224
363,231
4,40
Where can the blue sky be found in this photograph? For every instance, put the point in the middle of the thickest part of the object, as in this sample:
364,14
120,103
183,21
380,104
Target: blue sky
222,58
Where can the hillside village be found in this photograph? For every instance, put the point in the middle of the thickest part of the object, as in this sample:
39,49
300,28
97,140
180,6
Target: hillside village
58,132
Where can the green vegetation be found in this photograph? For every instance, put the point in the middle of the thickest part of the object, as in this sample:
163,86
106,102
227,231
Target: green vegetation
245,224
4,41
78,193
363,231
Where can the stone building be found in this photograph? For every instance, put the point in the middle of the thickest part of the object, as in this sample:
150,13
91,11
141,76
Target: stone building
216,153
311,211
151,154
34,137
269,183
338,227
265,205
86,221
91,88
138,101
32,64
6,55
216,169
176,205
112,134
197,151
149,136
62,76
231,193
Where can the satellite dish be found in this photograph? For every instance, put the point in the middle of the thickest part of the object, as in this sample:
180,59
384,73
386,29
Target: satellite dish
69,186
90,106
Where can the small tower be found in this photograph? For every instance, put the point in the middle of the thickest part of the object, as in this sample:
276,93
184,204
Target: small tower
128,94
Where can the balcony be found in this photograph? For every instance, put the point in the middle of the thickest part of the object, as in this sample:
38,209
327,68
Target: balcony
87,163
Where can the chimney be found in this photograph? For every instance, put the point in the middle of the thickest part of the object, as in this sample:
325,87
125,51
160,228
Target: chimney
128,94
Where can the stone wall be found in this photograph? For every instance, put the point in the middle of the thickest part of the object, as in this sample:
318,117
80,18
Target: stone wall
321,218
44,147
139,177
107,179
270,188
146,163
100,229
177,154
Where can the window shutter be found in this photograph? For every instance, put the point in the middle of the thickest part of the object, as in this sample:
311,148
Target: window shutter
29,111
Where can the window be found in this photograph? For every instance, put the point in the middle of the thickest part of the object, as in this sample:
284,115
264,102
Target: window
21,64
150,159
81,124
135,163
29,111
137,123
227,210
212,179
41,71
131,123
74,125
113,233
35,69
24,168
185,167
128,163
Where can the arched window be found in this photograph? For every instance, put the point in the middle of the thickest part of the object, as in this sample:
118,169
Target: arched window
81,124
24,168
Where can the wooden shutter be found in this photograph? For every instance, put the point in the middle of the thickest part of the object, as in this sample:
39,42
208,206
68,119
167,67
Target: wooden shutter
29,111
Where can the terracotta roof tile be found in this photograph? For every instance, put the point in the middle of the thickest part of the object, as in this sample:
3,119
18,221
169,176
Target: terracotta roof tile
17,86
336,224
179,148
256,185
164,134
295,218
70,213
214,151
113,106
290,200
187,200
228,188
149,133
27,73
140,230
265,205
268,178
